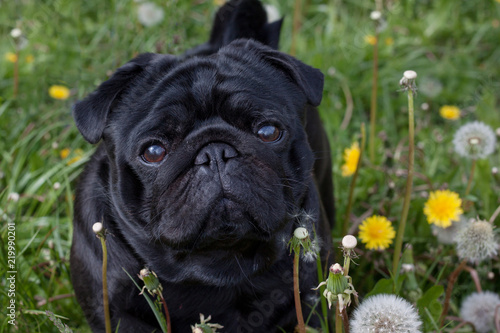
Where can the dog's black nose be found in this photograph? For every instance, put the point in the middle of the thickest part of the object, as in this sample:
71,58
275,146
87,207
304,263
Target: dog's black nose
215,155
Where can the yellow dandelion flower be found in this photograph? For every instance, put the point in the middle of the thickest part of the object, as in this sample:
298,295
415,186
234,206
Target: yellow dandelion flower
59,92
376,232
443,208
64,153
389,41
370,39
11,57
450,112
351,158
219,2
30,58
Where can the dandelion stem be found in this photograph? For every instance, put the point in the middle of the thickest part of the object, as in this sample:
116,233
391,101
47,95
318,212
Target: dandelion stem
324,308
373,103
338,319
495,215
345,320
296,292
471,176
345,226
475,278
469,184
451,282
409,184
167,314
105,299
296,25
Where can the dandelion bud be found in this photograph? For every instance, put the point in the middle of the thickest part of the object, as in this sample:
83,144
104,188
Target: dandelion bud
97,227
301,233
408,80
336,269
151,282
410,75
349,242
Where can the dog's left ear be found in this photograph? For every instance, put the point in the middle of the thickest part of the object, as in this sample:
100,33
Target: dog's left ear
310,80
91,113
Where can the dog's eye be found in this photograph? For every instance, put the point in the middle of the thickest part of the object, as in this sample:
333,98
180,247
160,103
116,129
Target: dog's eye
269,133
154,154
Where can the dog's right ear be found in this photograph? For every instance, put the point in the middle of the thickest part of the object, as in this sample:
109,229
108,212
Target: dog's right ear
91,113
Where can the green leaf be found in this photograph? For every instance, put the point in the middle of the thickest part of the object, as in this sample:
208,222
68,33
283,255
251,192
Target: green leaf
383,286
429,304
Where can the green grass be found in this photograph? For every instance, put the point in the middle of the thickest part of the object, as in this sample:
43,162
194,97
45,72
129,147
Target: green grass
453,46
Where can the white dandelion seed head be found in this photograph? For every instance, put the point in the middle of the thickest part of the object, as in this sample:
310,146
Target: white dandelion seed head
385,313
476,241
494,170
474,140
149,14
349,242
448,235
479,309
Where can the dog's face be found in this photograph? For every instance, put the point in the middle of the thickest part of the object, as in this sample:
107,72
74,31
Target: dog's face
208,158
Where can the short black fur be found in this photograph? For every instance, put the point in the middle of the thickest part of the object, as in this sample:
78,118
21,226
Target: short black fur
212,218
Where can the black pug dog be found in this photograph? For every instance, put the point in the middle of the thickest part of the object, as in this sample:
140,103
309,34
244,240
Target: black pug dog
208,163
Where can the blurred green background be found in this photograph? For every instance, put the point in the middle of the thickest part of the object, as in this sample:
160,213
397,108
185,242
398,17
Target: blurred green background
452,45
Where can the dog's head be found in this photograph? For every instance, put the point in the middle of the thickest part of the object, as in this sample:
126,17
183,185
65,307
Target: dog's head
208,157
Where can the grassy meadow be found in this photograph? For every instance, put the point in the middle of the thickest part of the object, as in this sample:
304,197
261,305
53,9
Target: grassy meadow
452,45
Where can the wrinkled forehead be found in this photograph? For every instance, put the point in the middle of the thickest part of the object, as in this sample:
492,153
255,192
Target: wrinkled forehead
241,91
219,86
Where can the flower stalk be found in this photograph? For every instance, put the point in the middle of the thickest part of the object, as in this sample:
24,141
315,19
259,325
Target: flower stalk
466,203
408,84
451,282
101,234
299,239
296,293
297,12
345,225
